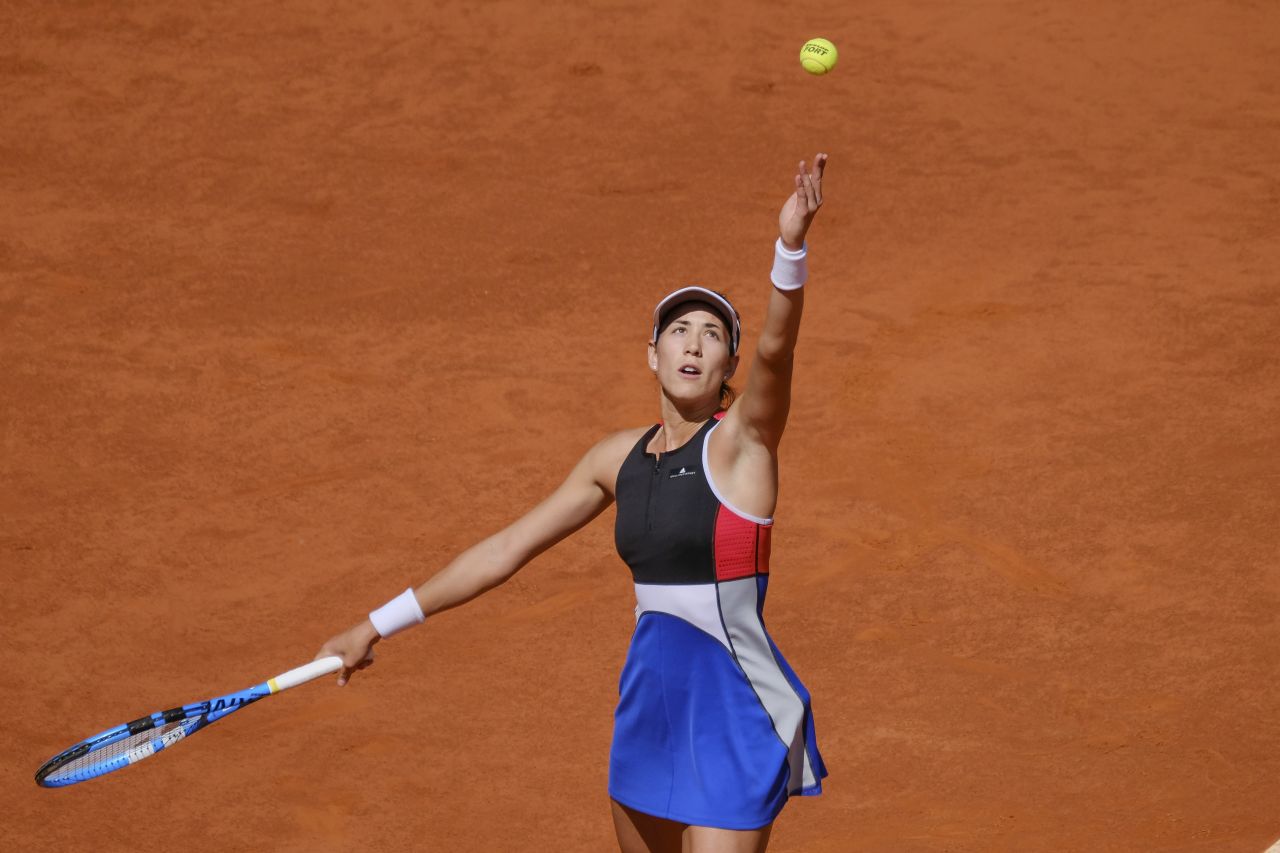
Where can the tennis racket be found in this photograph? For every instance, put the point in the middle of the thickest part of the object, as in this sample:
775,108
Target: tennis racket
129,743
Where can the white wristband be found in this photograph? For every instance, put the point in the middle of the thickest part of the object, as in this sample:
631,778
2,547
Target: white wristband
790,269
399,613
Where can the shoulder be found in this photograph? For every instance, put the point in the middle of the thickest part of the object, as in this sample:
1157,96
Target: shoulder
606,456
618,444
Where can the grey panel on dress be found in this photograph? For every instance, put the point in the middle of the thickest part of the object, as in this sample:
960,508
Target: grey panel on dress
738,600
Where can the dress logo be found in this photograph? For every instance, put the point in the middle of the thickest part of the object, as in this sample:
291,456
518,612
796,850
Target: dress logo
683,472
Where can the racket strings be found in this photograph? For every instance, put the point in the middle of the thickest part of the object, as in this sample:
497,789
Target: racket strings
128,750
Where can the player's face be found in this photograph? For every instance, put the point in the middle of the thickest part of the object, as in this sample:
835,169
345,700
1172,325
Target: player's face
691,355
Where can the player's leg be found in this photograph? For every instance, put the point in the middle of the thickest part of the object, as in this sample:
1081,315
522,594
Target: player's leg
642,833
706,839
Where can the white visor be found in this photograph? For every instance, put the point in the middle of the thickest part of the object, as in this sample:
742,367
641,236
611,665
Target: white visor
699,294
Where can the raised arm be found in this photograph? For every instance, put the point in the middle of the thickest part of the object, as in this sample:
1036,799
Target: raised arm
581,497
760,415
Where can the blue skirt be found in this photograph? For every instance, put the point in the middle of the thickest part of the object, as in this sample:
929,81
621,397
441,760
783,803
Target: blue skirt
710,732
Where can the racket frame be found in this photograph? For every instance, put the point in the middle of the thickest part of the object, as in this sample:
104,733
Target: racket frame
189,719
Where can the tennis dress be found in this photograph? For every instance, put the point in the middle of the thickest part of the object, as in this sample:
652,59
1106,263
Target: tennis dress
713,728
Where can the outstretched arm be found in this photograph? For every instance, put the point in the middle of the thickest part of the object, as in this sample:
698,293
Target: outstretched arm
760,415
581,497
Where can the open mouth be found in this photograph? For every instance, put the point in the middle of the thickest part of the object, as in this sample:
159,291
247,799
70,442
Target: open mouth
690,370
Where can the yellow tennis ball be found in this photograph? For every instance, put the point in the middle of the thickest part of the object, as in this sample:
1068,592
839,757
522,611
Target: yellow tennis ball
818,56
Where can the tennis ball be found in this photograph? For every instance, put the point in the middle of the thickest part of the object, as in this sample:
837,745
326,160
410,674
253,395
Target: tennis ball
818,56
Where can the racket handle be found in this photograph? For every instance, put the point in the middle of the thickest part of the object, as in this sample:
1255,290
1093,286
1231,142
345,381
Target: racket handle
305,673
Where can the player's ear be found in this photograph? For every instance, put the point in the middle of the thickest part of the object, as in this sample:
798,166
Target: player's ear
653,356
732,369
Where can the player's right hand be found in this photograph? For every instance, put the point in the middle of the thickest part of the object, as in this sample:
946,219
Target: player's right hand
354,646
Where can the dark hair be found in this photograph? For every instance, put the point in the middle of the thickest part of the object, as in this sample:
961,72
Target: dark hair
727,396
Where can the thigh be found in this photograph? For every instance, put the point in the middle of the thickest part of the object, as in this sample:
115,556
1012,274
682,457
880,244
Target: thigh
706,839
642,833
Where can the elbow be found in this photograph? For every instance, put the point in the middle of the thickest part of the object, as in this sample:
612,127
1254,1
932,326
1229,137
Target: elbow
775,354
498,559
508,557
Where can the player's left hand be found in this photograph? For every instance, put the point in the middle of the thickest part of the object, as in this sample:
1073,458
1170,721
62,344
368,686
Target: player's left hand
797,214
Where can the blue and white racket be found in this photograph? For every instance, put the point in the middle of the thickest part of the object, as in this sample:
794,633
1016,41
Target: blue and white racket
129,743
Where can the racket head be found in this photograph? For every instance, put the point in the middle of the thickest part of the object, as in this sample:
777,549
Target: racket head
118,747
129,743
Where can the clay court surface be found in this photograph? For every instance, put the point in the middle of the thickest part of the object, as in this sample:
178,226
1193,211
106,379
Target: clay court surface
295,304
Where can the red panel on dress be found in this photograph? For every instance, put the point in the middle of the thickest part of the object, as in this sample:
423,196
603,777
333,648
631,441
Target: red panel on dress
741,546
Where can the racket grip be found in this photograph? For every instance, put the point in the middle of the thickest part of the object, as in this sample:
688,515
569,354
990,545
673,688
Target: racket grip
305,673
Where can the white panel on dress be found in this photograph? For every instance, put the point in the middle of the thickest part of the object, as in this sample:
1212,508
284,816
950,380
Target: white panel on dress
694,603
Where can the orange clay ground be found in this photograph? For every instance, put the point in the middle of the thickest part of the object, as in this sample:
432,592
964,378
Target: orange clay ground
294,305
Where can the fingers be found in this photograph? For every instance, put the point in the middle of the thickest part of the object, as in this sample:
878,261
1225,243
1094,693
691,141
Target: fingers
803,191
355,657
808,193
811,181
349,667
819,164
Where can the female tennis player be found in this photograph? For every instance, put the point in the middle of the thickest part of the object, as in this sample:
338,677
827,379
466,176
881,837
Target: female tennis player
713,730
